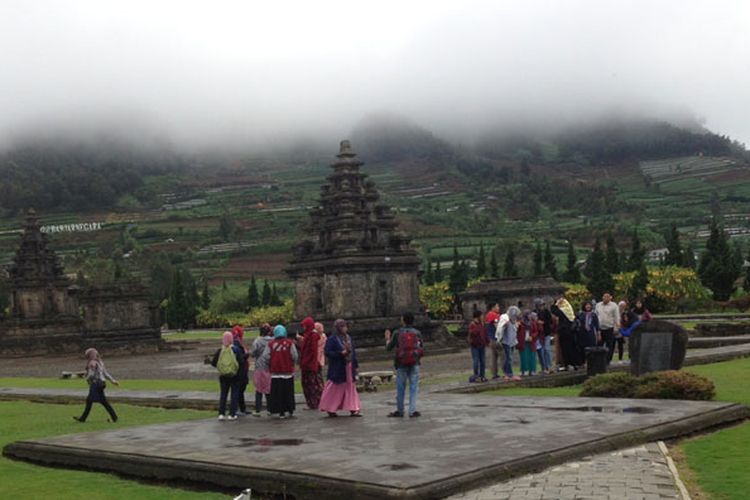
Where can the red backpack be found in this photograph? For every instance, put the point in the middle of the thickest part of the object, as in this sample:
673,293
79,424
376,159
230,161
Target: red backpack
410,348
281,356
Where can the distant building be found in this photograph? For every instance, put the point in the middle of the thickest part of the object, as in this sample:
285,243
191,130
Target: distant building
50,314
509,292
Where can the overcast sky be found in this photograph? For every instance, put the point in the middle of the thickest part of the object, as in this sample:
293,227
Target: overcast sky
216,73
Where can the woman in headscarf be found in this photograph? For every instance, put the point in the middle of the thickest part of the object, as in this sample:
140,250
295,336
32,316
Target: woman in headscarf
281,354
228,360
96,376
588,332
312,381
340,392
528,332
507,335
566,333
261,373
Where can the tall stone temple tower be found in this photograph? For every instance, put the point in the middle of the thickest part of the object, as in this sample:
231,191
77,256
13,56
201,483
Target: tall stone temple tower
357,265
40,288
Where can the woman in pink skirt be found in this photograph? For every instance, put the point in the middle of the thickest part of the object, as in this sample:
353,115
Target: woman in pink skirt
261,375
340,392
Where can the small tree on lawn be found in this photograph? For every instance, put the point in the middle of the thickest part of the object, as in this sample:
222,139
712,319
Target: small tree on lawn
572,274
612,257
253,298
494,271
600,280
538,265
481,262
509,268
266,296
550,265
637,254
674,255
717,269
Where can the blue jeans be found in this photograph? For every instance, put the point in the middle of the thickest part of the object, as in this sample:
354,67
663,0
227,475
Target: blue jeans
508,361
545,358
410,373
478,358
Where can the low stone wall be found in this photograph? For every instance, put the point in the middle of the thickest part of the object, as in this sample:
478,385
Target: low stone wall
723,329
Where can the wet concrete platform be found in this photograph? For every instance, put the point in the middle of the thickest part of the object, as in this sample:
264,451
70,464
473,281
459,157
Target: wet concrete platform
461,442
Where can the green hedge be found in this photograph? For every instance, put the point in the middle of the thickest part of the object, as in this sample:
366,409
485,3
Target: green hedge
671,384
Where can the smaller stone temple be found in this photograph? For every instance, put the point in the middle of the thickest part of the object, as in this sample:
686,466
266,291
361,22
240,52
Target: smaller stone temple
358,265
50,314
509,292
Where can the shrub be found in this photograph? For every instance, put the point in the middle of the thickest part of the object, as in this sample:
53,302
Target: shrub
669,288
577,294
610,385
672,384
675,384
437,299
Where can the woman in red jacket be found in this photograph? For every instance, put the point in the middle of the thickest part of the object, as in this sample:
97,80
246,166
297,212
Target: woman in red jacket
478,343
312,381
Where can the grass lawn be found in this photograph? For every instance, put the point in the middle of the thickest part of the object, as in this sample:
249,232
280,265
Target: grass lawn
719,462
23,420
194,335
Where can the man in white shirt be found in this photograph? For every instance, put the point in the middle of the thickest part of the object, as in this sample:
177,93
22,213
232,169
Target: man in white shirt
608,315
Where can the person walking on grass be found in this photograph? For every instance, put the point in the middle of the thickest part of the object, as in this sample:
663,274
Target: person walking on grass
281,355
409,351
228,360
340,392
477,343
261,374
97,376
312,382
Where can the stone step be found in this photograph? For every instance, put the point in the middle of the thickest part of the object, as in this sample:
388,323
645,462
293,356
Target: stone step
722,329
707,342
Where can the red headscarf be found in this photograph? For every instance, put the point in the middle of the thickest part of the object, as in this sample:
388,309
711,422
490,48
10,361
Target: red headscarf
309,359
238,332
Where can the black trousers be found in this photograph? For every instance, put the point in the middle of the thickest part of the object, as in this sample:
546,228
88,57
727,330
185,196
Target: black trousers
608,340
96,395
229,385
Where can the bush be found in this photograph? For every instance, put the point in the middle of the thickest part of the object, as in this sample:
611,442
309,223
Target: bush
577,294
669,288
675,384
672,384
610,385
437,299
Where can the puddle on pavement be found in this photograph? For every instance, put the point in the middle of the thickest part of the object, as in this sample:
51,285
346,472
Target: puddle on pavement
269,442
395,467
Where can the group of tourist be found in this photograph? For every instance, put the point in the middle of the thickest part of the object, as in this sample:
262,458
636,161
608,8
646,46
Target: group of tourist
531,333
276,357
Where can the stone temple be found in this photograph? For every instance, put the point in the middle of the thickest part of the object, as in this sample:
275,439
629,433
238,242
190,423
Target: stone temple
357,265
50,314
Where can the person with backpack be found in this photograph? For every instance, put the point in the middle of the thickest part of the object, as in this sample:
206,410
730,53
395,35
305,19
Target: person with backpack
409,351
340,391
243,377
227,361
477,343
261,374
96,376
281,355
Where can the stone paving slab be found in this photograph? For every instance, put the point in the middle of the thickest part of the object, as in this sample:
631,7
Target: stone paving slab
197,400
635,473
461,441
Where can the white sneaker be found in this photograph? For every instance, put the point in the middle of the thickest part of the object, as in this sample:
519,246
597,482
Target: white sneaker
232,417
222,417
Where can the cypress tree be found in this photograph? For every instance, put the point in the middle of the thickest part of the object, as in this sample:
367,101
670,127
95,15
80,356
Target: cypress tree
192,300
177,304
637,254
438,273
494,272
275,300
509,269
253,299
746,283
737,258
572,273
481,262
600,280
612,257
538,268
550,265
640,282
457,277
205,295
689,256
717,269
428,277
674,256
266,295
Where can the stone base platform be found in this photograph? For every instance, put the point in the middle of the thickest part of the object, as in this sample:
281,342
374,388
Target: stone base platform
461,442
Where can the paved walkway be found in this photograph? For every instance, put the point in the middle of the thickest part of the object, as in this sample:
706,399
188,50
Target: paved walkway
639,473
